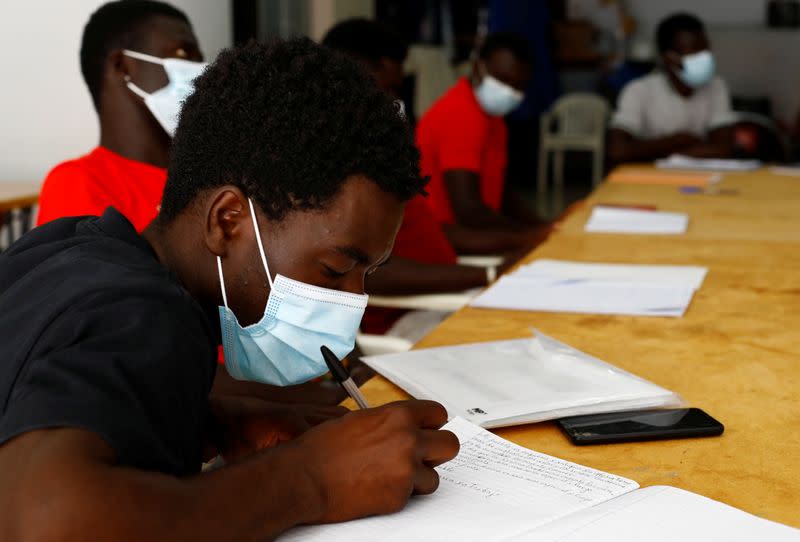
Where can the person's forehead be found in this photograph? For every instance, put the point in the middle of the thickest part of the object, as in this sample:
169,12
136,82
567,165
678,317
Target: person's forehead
505,66
688,41
360,216
162,35
505,61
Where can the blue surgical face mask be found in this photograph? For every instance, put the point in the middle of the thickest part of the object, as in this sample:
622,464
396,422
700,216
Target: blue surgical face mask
698,69
282,348
165,103
496,98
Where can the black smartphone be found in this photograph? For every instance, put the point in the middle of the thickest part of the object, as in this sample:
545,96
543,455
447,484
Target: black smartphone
633,425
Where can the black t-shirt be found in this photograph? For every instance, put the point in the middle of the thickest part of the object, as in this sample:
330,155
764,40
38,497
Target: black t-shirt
97,334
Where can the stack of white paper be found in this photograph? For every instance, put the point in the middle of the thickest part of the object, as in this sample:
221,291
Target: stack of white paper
559,286
791,170
616,220
680,161
519,381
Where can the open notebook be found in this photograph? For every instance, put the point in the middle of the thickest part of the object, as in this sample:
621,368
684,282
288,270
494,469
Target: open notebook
496,491
518,381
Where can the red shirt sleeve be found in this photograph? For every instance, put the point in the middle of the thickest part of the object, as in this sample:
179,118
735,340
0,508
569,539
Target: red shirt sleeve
70,190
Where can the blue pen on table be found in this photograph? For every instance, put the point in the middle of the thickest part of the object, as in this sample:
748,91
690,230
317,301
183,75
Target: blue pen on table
342,376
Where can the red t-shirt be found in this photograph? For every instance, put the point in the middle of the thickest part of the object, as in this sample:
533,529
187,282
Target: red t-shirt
89,184
420,239
456,133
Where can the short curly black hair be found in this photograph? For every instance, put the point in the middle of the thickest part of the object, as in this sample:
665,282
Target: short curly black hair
117,25
287,122
672,25
515,43
367,39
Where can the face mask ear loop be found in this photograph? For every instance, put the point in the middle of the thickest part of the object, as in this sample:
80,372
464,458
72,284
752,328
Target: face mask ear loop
146,58
260,244
142,56
222,282
134,88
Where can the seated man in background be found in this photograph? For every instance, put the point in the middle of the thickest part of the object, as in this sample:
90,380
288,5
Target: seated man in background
138,59
682,108
424,255
276,207
463,140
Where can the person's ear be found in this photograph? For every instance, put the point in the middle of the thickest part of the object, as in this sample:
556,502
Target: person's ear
227,219
118,66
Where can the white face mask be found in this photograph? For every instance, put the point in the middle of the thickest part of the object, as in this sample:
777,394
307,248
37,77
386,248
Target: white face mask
698,69
496,98
165,103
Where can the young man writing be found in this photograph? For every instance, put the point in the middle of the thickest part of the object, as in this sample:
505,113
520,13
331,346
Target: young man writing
277,206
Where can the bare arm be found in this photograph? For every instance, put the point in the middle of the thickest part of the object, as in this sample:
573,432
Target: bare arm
718,145
468,240
624,148
464,190
63,484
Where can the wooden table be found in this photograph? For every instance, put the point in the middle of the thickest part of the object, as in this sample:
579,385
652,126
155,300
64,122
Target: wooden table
736,352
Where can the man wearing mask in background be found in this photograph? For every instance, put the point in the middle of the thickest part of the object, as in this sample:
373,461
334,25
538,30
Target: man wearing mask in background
463,139
683,108
138,59
425,251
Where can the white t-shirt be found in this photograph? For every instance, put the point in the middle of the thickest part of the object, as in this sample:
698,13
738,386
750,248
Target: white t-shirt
650,107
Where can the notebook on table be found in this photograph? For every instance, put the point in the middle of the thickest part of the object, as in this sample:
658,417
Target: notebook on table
680,161
496,491
501,383
636,221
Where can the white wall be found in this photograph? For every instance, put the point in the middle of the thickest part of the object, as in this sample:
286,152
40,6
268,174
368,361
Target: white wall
46,115
715,13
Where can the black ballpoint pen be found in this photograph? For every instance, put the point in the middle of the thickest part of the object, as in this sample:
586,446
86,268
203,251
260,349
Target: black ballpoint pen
342,376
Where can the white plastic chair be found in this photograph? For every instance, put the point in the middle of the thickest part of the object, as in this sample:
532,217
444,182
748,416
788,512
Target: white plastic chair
576,122
371,344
